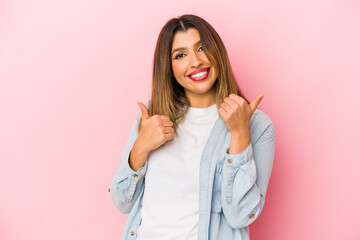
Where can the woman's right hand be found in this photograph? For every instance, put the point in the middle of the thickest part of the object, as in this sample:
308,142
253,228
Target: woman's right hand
154,130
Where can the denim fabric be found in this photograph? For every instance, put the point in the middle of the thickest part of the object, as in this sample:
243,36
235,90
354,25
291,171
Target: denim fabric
232,186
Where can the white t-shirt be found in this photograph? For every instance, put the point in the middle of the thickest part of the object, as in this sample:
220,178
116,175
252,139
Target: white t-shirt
170,207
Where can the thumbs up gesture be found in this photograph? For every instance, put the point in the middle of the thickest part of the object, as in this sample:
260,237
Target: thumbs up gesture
154,130
236,112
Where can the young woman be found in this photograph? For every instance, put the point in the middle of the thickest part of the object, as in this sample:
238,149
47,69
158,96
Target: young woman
199,156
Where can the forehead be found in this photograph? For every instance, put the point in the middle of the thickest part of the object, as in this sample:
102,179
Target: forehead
184,39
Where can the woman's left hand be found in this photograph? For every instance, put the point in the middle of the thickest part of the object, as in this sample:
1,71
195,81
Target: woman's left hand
236,112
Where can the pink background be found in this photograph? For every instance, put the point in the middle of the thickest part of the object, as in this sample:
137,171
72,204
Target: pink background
72,71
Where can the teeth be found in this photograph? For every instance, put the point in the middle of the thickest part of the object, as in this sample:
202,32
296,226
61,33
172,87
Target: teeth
200,74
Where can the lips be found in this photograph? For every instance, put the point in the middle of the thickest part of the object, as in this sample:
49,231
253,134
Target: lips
199,70
199,78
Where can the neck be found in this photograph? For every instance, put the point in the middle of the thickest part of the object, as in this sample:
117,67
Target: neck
202,100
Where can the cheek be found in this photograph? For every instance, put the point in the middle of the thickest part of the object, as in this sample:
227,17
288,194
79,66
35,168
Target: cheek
178,69
214,74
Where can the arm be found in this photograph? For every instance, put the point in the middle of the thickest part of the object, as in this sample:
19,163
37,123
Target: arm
245,180
126,185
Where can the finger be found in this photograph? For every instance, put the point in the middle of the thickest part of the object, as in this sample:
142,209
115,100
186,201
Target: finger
232,103
237,98
169,136
227,107
222,113
164,121
168,123
144,110
169,129
164,117
240,102
253,105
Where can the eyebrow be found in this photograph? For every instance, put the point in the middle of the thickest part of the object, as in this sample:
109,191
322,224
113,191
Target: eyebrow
182,48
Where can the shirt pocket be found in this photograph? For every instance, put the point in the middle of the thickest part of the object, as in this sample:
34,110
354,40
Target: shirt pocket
216,206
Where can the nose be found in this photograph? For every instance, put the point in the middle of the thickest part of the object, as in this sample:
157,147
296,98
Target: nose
196,61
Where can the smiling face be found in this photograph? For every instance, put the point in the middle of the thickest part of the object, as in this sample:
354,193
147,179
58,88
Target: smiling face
192,69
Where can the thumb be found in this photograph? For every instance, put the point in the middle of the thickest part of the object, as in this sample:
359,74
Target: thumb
256,101
144,110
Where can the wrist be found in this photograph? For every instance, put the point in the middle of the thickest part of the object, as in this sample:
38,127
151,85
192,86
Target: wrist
240,133
139,148
239,141
137,157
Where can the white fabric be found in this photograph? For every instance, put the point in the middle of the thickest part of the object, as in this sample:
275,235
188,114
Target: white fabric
170,208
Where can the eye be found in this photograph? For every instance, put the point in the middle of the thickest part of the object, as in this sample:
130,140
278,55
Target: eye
177,56
201,48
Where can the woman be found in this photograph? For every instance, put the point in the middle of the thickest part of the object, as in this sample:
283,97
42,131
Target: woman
199,156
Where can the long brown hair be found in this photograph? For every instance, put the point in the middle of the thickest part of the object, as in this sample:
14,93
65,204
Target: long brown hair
168,96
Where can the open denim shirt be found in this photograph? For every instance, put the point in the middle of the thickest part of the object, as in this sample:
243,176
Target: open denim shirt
232,186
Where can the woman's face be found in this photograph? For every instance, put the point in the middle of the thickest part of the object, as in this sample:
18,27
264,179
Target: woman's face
192,69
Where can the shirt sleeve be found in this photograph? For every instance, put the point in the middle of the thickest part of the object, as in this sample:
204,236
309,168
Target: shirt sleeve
245,180
126,185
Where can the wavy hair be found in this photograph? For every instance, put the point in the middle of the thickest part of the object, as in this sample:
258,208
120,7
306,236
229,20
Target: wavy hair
168,96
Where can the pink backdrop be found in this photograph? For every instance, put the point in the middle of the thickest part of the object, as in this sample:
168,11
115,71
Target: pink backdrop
71,73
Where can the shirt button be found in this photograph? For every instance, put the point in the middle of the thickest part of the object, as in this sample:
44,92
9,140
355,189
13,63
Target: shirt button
109,190
230,160
141,206
135,176
132,233
252,215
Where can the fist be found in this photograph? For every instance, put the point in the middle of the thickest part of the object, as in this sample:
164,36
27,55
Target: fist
155,130
236,112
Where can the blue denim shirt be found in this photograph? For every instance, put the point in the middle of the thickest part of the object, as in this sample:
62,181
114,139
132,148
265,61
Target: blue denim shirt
232,186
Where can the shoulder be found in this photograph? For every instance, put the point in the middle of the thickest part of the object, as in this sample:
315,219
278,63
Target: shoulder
259,123
260,118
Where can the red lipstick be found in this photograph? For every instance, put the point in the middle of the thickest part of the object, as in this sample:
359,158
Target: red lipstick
200,77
